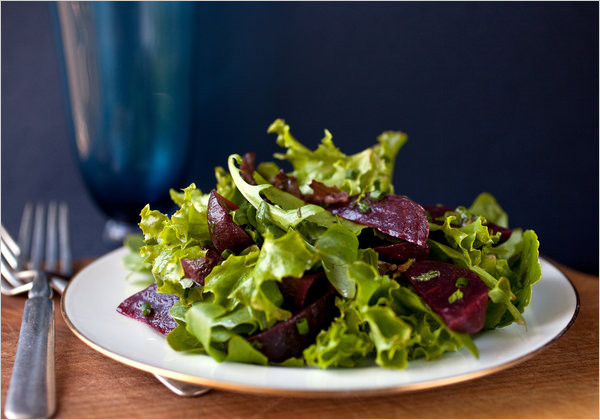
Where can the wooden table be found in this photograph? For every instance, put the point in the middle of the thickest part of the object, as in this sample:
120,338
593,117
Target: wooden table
560,381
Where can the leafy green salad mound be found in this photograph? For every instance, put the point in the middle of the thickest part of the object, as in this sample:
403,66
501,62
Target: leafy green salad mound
379,316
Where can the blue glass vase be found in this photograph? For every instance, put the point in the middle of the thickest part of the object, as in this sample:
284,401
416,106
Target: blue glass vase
128,74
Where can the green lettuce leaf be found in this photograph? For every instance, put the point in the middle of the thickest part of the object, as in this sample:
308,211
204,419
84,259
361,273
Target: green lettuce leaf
343,344
369,170
140,272
486,205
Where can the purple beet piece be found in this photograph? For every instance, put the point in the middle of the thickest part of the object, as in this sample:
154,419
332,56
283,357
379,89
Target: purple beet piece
284,340
198,269
160,304
287,183
296,290
247,167
402,251
504,232
323,195
224,232
437,212
396,216
437,283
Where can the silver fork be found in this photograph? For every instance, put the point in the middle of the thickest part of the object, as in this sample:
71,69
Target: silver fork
32,389
17,275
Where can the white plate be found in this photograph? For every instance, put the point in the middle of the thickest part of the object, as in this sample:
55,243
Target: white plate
89,308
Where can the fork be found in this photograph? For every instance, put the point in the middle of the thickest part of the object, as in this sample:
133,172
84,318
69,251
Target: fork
32,389
17,279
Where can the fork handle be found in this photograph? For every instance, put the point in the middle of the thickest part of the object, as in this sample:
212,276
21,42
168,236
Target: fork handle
32,389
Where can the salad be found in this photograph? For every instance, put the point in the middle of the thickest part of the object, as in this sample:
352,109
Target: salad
326,265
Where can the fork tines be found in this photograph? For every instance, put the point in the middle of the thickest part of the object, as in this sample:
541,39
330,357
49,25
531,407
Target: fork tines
32,251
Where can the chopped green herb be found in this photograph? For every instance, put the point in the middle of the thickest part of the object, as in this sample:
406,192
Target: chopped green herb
302,326
363,206
461,282
458,294
377,195
146,309
299,213
427,276
226,253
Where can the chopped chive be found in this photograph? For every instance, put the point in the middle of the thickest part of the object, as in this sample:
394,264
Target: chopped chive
226,253
146,309
302,326
427,276
458,294
461,282
363,206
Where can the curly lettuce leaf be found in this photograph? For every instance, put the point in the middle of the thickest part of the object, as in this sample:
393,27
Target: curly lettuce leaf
140,272
486,205
343,344
369,170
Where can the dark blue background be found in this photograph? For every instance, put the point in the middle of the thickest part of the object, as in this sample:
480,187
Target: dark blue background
497,97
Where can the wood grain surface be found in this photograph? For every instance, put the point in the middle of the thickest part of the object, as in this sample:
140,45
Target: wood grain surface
561,381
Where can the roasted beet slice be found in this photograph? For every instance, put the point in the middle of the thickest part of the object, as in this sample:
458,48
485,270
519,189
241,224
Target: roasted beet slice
396,216
324,196
197,270
247,167
289,338
287,183
455,293
224,232
402,251
157,312
298,291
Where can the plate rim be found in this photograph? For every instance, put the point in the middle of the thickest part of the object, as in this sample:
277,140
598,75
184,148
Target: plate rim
273,391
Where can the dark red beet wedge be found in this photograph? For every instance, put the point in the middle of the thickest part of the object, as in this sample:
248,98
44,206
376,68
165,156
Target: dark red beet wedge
247,167
455,293
289,338
324,196
287,183
158,316
297,291
402,251
197,270
224,232
396,216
